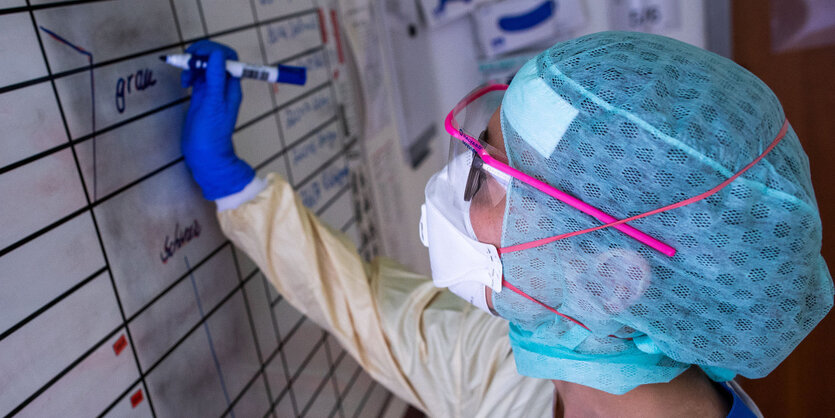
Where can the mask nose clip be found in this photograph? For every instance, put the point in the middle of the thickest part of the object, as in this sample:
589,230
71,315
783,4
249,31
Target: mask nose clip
424,235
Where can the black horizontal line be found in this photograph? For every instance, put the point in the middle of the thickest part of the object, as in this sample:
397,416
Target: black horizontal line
77,212
120,397
348,224
51,303
240,394
176,282
365,397
66,370
81,139
99,64
277,109
309,51
129,185
43,230
47,6
188,333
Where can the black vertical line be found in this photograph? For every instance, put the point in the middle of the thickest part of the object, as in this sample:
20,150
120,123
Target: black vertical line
365,397
93,117
249,313
202,17
205,322
176,22
89,205
281,355
333,366
264,60
385,405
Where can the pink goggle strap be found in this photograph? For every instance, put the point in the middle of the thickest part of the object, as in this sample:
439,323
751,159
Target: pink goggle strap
685,202
452,127
507,284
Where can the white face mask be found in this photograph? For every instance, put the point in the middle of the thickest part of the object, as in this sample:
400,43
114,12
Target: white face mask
459,261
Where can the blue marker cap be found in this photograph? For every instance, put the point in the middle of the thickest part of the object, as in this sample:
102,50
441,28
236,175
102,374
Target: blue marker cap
292,75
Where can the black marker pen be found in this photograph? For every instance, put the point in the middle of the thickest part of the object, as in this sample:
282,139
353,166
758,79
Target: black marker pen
278,74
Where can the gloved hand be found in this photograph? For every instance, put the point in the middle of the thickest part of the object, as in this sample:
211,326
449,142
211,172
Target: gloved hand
210,122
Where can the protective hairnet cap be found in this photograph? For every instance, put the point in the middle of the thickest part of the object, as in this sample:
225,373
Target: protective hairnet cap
630,122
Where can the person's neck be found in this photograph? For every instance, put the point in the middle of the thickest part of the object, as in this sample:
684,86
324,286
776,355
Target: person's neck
689,394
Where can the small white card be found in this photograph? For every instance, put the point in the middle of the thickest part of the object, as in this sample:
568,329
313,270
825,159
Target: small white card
653,16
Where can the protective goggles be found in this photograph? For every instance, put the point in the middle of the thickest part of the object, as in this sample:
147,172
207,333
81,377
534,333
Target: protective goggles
489,174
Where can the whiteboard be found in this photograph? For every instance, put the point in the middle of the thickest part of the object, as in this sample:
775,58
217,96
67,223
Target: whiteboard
119,295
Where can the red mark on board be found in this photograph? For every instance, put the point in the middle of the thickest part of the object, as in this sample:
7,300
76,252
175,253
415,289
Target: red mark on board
120,345
322,25
335,24
136,398
181,238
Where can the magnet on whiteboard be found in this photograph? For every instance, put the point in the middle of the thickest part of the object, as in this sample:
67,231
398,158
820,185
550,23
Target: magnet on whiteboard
438,12
136,398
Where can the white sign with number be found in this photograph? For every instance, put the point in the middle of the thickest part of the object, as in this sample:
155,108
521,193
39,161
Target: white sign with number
654,16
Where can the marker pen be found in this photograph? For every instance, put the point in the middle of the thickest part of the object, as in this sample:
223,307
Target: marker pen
278,74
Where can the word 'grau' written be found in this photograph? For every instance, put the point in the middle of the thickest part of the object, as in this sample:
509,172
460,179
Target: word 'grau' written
181,238
136,82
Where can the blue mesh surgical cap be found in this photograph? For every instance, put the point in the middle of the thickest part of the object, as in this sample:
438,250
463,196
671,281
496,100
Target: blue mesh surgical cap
630,122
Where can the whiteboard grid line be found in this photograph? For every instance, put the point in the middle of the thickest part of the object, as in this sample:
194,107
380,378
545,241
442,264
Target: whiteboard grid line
92,203
66,370
191,331
251,320
87,137
157,49
205,322
284,150
365,398
91,212
325,380
276,109
51,303
35,7
332,375
177,281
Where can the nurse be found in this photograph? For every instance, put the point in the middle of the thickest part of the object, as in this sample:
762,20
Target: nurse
627,226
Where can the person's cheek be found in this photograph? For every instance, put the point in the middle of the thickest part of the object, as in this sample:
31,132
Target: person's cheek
487,220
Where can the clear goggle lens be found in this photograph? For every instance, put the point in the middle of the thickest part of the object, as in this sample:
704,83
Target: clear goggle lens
483,184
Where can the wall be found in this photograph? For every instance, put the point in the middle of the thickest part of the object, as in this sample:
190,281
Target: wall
802,80
119,296
453,60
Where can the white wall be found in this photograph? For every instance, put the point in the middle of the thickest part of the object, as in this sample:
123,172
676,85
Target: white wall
454,61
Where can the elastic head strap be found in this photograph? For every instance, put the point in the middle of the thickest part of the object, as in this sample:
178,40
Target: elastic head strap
540,242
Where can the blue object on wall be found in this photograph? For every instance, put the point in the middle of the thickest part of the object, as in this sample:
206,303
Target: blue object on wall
530,19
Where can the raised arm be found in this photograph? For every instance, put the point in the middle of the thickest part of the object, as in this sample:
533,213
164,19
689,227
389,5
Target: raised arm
427,346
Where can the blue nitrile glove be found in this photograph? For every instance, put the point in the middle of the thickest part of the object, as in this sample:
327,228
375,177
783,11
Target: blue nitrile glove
207,135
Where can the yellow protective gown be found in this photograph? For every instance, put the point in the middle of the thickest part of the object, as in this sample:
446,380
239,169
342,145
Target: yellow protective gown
424,344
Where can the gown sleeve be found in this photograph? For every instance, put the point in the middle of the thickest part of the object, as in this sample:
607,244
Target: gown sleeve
424,344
